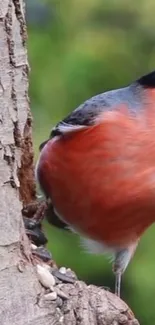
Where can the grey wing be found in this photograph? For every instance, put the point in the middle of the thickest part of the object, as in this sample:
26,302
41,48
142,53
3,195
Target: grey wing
85,114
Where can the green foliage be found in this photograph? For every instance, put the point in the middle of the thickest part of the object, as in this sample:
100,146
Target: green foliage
87,47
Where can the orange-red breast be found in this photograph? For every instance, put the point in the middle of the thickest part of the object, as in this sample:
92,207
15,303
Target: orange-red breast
98,169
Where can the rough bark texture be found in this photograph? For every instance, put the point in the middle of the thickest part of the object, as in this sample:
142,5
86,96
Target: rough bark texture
21,295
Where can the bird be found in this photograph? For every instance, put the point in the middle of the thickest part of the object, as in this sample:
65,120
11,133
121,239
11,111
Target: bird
98,170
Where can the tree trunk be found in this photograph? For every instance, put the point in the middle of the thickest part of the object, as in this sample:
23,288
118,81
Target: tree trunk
21,295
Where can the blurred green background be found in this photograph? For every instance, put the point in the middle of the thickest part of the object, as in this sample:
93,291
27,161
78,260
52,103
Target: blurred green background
79,48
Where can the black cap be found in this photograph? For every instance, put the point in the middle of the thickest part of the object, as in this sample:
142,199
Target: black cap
148,80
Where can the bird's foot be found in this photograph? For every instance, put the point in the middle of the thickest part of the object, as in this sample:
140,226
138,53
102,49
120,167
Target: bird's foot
33,215
35,210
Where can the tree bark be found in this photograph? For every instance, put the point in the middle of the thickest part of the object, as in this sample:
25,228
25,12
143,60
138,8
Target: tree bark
21,295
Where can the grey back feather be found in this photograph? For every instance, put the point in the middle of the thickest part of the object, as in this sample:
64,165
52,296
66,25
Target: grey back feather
86,113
